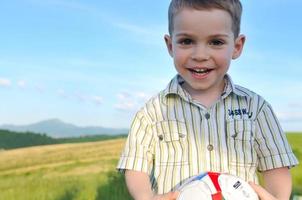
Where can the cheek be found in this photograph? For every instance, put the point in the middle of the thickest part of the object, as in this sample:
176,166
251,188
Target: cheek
224,58
180,56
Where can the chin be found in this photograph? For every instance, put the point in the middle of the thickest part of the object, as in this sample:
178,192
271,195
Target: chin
199,88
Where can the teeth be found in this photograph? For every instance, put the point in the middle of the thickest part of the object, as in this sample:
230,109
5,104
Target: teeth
200,70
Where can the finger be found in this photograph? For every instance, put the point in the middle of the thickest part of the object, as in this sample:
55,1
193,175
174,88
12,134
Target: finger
262,193
170,196
174,195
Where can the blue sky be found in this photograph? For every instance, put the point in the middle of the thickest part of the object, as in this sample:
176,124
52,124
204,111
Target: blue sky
96,62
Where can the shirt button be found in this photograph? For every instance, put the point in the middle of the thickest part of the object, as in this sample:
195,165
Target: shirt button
160,137
182,135
210,147
207,115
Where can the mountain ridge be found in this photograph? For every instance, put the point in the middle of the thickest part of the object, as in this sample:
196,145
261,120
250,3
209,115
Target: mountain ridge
59,129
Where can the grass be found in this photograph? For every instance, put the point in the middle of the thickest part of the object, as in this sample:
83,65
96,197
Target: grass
115,188
58,172
84,171
295,139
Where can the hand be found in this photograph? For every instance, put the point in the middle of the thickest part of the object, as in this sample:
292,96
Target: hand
167,196
262,193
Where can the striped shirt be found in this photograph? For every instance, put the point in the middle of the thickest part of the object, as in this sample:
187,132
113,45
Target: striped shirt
174,137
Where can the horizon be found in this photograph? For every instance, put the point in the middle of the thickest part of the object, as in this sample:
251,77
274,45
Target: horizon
61,121
78,126
95,63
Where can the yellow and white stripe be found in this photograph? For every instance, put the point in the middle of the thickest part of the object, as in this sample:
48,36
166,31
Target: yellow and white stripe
173,137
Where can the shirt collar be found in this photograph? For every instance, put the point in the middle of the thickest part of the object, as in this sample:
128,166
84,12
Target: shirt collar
174,88
232,88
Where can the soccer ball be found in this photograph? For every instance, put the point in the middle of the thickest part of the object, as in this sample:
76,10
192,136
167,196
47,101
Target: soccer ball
216,186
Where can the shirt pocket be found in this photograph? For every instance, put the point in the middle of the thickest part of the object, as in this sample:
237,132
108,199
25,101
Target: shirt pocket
171,145
240,142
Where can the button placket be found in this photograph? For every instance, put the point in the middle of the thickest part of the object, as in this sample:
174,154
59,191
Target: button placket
207,115
160,137
210,147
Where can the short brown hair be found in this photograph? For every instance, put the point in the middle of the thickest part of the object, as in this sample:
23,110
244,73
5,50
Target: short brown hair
233,7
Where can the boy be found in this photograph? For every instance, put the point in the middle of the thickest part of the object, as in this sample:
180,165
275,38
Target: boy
202,121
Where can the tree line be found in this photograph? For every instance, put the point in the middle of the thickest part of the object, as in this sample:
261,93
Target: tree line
13,140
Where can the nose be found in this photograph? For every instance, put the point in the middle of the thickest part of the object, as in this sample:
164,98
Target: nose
200,53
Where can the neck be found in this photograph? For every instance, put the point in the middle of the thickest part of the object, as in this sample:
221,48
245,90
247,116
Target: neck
206,97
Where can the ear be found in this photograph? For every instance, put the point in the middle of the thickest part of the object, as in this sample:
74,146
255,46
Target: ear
168,41
239,43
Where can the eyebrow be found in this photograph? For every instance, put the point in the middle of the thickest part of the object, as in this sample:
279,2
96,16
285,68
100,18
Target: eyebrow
219,35
183,35
210,36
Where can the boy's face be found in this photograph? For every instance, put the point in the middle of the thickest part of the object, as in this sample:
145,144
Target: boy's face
202,46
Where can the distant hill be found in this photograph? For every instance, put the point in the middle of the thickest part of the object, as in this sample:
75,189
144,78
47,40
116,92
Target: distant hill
13,140
58,129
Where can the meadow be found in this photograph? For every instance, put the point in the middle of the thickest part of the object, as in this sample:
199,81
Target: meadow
82,171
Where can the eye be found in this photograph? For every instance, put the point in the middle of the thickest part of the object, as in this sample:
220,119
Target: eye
185,41
216,42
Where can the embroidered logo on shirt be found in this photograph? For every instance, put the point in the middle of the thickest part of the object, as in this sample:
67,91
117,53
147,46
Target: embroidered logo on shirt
240,112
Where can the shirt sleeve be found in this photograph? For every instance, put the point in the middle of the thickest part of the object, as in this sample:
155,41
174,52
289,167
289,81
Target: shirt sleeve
271,144
138,154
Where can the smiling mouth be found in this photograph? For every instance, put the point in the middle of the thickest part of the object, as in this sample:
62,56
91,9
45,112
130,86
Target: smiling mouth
200,71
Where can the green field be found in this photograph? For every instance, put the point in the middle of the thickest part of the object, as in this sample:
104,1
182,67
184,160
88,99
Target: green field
83,171
295,139
62,172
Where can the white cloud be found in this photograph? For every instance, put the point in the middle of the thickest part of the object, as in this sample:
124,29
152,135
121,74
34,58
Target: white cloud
62,93
131,101
4,82
125,106
39,88
80,97
142,95
21,84
123,96
98,100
